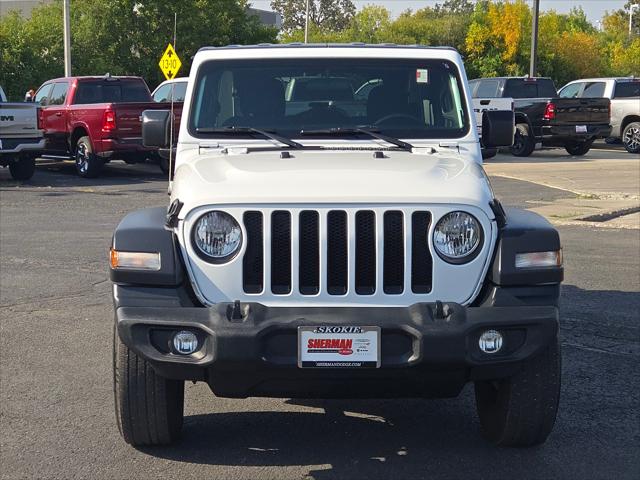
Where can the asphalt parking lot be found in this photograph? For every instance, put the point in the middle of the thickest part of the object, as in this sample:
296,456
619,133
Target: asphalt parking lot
57,418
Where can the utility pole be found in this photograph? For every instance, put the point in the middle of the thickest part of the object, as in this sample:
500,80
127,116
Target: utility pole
67,39
631,9
534,39
306,25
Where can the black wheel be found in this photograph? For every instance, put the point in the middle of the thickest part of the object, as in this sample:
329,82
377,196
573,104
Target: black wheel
631,137
23,168
578,148
149,408
88,165
520,411
523,142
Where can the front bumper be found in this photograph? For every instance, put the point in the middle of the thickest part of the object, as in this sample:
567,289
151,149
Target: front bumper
425,351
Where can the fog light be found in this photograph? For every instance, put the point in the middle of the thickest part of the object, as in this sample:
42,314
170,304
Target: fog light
490,341
185,342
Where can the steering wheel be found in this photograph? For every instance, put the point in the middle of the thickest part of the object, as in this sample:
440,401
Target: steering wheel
399,116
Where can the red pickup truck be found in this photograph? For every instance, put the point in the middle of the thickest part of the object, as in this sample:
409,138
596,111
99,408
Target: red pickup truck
96,119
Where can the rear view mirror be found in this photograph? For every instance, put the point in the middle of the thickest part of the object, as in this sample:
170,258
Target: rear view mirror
498,128
155,128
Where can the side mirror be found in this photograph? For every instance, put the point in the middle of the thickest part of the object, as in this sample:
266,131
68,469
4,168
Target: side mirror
155,128
498,128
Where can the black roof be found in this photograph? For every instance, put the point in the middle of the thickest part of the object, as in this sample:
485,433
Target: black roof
326,45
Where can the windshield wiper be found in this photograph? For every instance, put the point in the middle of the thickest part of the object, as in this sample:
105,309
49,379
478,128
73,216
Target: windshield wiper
231,130
364,130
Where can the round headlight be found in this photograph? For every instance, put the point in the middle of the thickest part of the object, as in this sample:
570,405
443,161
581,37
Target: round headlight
457,237
217,236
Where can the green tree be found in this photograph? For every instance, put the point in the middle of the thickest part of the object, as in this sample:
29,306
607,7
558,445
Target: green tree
327,15
119,36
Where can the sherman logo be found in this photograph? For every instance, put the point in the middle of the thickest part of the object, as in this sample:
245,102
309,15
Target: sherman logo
338,330
343,346
7,118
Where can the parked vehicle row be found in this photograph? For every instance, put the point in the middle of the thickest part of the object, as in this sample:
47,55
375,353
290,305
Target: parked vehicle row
624,94
541,116
95,120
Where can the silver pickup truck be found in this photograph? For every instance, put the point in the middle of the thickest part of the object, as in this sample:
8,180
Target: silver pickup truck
20,139
624,94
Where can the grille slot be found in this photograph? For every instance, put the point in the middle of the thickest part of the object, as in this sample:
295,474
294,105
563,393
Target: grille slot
393,263
365,252
351,253
281,252
309,263
421,261
337,253
253,261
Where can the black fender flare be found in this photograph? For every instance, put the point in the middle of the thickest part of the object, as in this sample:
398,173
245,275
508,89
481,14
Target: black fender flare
145,231
524,232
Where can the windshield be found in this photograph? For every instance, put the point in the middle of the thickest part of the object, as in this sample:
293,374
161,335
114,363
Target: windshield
402,98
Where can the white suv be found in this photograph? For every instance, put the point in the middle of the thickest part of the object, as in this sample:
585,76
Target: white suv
324,243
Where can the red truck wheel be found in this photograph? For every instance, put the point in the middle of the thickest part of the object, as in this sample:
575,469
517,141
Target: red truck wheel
88,165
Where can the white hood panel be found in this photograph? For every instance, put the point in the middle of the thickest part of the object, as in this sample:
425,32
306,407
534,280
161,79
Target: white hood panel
317,177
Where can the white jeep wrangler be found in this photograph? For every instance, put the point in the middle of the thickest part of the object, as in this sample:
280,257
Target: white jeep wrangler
331,233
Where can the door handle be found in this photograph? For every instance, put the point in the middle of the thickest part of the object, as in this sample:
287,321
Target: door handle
58,114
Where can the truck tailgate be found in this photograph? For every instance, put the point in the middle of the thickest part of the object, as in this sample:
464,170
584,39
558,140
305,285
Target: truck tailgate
572,111
18,120
129,117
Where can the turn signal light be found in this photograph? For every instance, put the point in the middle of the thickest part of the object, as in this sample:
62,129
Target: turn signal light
539,259
134,260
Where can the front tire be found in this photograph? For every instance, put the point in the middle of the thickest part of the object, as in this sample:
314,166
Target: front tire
523,142
23,168
88,165
631,137
520,411
578,148
149,408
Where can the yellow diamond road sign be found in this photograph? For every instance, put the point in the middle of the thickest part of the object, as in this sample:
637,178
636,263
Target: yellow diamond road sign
170,63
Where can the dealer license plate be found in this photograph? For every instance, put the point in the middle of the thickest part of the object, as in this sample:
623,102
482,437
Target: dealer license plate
581,129
338,347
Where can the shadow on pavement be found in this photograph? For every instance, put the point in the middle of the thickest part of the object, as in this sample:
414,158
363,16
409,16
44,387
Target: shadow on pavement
61,174
418,438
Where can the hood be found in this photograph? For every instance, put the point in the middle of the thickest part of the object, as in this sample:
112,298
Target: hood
322,176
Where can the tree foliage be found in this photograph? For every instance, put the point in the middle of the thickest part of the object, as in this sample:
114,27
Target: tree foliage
327,15
128,36
119,36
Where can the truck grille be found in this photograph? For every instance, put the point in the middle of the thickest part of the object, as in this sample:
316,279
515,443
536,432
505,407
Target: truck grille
308,252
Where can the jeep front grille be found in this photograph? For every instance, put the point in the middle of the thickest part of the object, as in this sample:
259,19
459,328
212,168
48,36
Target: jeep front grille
335,248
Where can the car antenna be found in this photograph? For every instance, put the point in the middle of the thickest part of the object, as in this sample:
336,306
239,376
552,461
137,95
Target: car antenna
173,86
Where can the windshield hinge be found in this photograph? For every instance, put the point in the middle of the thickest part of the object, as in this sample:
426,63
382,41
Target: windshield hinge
423,150
450,145
208,146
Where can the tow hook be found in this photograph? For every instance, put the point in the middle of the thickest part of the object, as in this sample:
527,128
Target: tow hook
234,312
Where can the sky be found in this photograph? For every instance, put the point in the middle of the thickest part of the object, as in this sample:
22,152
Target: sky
593,8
